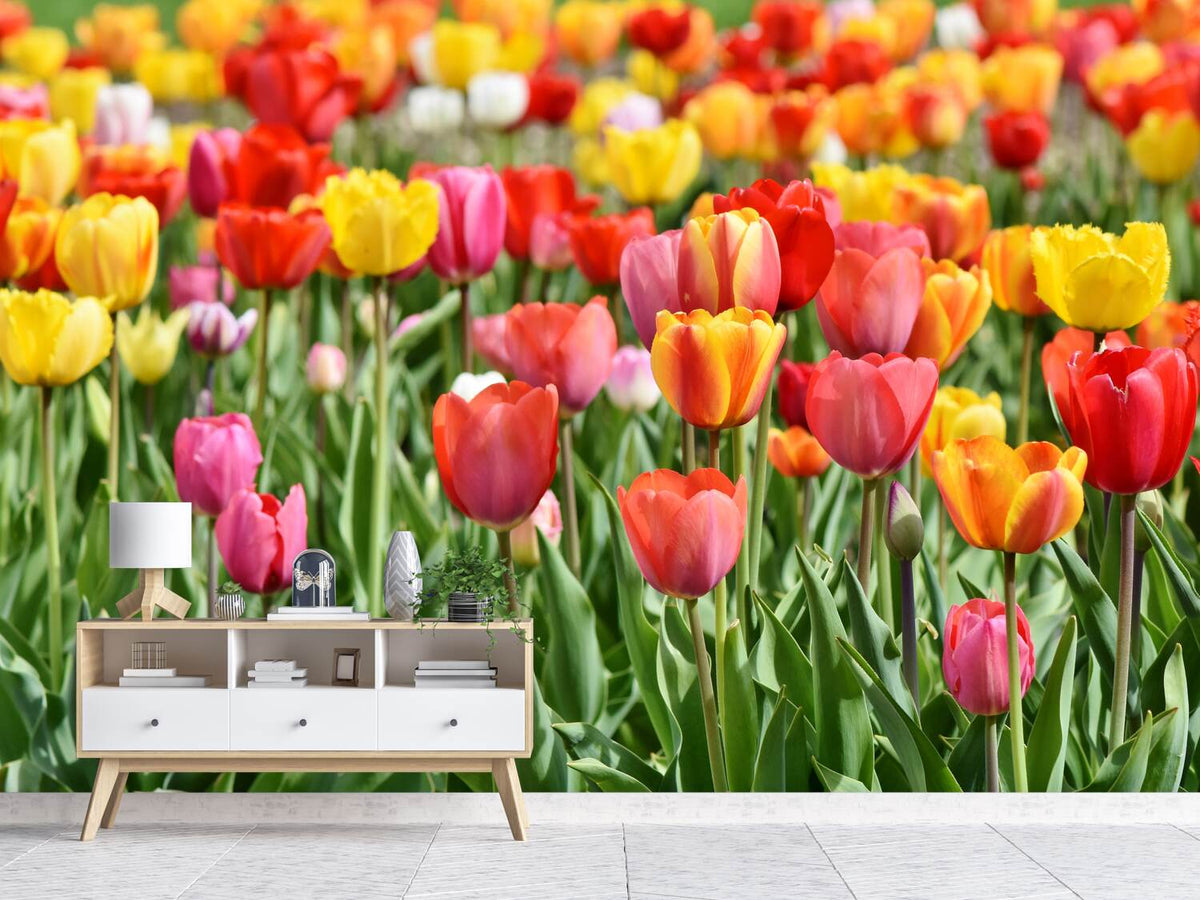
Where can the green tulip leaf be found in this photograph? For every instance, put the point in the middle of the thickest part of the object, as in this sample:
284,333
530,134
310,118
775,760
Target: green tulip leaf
1046,750
1181,581
740,719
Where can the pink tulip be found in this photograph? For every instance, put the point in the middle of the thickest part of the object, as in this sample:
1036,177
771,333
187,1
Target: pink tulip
833,206
877,238
259,538
215,457
546,518
409,272
550,242
211,152
325,369
1081,45
869,304
214,331
631,386
490,336
472,212
728,260
31,102
975,658
123,114
649,279
563,344
196,284
868,414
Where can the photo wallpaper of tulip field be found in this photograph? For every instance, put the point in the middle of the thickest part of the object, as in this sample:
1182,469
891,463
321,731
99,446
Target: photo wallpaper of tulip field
820,377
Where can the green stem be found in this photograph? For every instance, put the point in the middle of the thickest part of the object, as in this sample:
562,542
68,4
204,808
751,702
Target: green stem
1026,370
942,558
721,589
742,567
205,612
802,514
908,632
465,338
379,482
114,419
758,486
510,572
347,336
520,281
1016,718
264,316
991,753
883,560
712,733
570,512
1116,723
687,436
53,558
865,529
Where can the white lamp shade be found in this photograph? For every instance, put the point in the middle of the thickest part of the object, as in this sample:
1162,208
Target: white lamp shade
150,535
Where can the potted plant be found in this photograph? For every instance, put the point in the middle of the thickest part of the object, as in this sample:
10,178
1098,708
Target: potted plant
462,587
229,604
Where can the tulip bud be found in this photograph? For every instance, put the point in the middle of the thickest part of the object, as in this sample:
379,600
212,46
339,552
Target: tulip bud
903,530
497,99
546,518
123,114
1150,503
326,368
214,331
631,384
364,314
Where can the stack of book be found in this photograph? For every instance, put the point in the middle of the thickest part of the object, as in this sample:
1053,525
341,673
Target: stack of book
163,677
317,614
276,673
455,673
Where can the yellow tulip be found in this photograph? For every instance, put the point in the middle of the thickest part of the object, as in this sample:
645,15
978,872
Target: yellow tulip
958,70
213,27
1023,79
379,225
651,76
175,75
912,21
44,158
182,137
1133,63
47,340
1164,147
148,346
73,95
862,195
1099,282
598,98
959,414
725,117
523,52
653,165
510,16
107,247
119,34
39,52
588,158
461,50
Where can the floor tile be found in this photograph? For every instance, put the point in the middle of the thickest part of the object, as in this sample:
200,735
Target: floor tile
14,842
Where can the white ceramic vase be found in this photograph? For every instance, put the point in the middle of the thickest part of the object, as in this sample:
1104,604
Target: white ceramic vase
401,584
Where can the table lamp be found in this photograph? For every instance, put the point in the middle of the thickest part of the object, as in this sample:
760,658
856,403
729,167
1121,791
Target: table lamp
150,537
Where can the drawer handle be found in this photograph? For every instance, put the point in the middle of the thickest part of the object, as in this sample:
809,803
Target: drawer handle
453,723
303,722
154,723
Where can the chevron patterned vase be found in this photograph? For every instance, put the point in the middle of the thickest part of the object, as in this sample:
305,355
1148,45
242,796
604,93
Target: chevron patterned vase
401,586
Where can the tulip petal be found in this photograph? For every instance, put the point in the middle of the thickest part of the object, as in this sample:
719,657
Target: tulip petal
1047,506
978,480
855,416
1109,292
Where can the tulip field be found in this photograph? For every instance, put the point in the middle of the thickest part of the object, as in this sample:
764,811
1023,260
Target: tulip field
821,378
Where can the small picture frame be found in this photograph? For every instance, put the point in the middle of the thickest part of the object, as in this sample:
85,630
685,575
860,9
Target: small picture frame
345,666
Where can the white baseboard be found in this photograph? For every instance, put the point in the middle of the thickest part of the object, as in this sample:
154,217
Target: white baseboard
594,809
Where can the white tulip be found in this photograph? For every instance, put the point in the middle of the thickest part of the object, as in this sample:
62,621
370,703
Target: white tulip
497,99
435,109
122,114
957,27
468,386
422,60
832,150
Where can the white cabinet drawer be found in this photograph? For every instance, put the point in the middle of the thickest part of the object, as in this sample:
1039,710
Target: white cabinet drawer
308,718
116,718
451,719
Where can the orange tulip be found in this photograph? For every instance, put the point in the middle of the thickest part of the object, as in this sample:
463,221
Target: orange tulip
912,21
796,454
956,216
685,530
1168,324
588,31
28,239
699,47
725,115
1023,79
497,453
953,307
714,370
1007,260
1015,500
936,114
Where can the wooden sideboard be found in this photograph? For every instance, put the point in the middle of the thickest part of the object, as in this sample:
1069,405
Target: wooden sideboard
384,724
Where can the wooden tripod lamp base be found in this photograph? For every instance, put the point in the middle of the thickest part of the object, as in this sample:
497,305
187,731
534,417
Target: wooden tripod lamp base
151,592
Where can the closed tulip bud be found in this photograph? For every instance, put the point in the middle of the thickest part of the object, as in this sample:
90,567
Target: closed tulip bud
497,100
214,331
546,518
212,154
44,158
729,260
957,27
434,110
37,52
631,386
259,537
108,247
468,385
1150,503
1097,281
461,50
148,347
48,340
1023,79
470,223
903,530
379,225
1016,139
653,165
1164,147
650,281
796,454
975,655
73,94
325,369
214,457
726,118
123,114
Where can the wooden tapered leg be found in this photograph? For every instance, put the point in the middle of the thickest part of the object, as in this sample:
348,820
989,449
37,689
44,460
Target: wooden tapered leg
106,780
508,785
114,801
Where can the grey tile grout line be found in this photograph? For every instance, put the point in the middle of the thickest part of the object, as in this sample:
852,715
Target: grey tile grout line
829,860
1013,844
625,856
1184,831
421,861
191,884
38,846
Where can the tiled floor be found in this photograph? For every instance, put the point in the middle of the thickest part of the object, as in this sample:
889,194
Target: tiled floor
646,862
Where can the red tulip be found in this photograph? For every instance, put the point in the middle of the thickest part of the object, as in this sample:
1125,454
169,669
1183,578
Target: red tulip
660,30
259,538
788,26
134,171
793,391
214,458
597,242
532,191
551,98
869,413
796,214
1132,411
1058,352
685,530
1017,139
853,61
274,164
301,88
975,655
563,344
269,248
497,454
